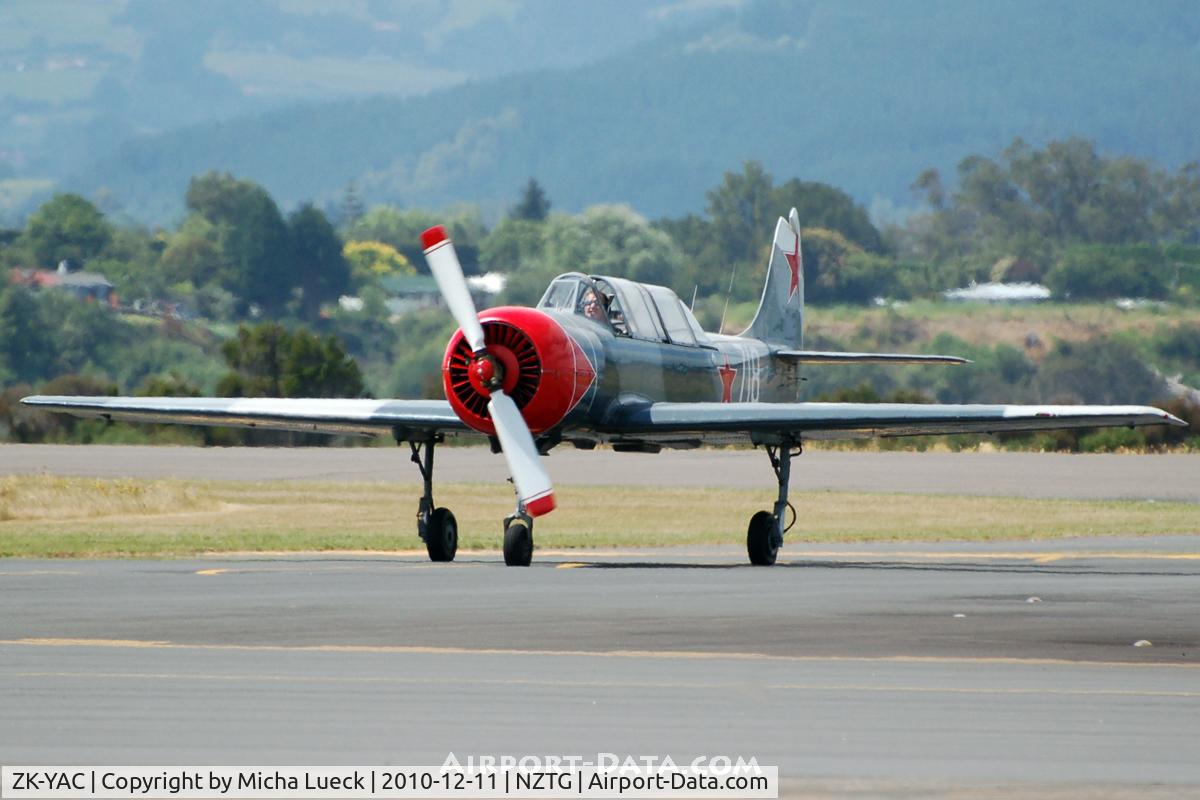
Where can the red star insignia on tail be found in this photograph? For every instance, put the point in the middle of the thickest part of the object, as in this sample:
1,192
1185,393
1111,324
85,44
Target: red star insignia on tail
727,374
793,259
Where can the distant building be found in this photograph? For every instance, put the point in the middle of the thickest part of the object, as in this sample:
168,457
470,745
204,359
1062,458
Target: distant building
407,293
90,286
487,285
412,292
999,293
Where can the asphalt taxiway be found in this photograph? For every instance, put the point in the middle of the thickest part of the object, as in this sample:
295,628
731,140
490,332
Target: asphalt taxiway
881,666
1009,669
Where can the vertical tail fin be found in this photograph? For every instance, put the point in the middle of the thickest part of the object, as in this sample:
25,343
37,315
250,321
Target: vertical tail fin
780,316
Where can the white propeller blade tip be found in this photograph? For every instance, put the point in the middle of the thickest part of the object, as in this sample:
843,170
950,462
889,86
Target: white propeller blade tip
434,237
543,504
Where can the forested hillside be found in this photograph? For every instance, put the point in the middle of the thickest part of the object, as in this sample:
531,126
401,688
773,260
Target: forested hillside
243,299
863,95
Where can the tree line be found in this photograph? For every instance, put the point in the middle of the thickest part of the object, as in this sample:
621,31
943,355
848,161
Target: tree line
265,284
1090,226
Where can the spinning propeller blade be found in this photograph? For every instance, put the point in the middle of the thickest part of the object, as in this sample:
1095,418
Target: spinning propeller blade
533,484
443,263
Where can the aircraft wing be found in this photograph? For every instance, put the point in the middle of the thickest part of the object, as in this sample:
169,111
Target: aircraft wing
363,417
826,357
678,424
681,424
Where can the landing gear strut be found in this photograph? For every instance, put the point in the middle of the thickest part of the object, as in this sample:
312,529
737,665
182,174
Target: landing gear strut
436,526
764,536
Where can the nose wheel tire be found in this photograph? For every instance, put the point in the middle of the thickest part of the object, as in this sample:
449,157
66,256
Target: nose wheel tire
441,535
518,544
762,539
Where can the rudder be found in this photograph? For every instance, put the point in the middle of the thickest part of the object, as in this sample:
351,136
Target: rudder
780,316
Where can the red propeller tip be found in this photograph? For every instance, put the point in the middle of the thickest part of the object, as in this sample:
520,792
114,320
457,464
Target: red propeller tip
541,505
434,236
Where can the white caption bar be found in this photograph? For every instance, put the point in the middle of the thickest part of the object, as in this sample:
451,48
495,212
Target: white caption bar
252,783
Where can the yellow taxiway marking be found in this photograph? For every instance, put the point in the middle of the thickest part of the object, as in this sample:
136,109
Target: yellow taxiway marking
602,556
21,573
871,556
580,684
316,555
692,655
317,566
1037,556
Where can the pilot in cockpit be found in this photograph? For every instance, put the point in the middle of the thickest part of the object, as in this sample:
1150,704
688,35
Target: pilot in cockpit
600,307
593,306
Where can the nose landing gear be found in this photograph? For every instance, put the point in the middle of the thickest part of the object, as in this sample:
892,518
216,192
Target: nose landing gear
518,539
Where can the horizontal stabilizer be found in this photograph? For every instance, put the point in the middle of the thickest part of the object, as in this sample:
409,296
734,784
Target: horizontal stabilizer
824,357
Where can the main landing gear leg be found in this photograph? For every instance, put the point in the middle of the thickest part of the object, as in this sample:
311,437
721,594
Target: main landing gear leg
764,536
436,526
518,538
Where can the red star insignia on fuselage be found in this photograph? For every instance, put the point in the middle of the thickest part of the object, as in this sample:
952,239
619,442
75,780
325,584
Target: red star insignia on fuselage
727,374
793,259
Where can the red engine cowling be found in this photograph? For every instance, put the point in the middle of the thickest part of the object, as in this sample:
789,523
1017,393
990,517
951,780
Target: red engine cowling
545,371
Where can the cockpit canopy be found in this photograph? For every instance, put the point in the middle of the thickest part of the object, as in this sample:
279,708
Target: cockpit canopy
636,310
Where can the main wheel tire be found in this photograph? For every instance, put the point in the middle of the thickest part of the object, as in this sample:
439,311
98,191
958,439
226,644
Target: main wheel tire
518,544
441,536
760,539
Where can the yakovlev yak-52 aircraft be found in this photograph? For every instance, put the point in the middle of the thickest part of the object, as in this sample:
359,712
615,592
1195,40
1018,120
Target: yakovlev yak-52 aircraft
604,360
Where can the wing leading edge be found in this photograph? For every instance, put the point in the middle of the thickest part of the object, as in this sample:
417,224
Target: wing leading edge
362,417
665,422
825,357
726,421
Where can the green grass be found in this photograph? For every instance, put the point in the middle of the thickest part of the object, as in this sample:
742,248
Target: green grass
978,323
996,323
47,516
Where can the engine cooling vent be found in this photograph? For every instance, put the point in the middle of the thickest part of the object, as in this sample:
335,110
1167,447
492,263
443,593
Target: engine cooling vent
514,351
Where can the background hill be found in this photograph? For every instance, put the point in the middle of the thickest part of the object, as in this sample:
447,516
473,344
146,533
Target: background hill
862,95
645,102
78,78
